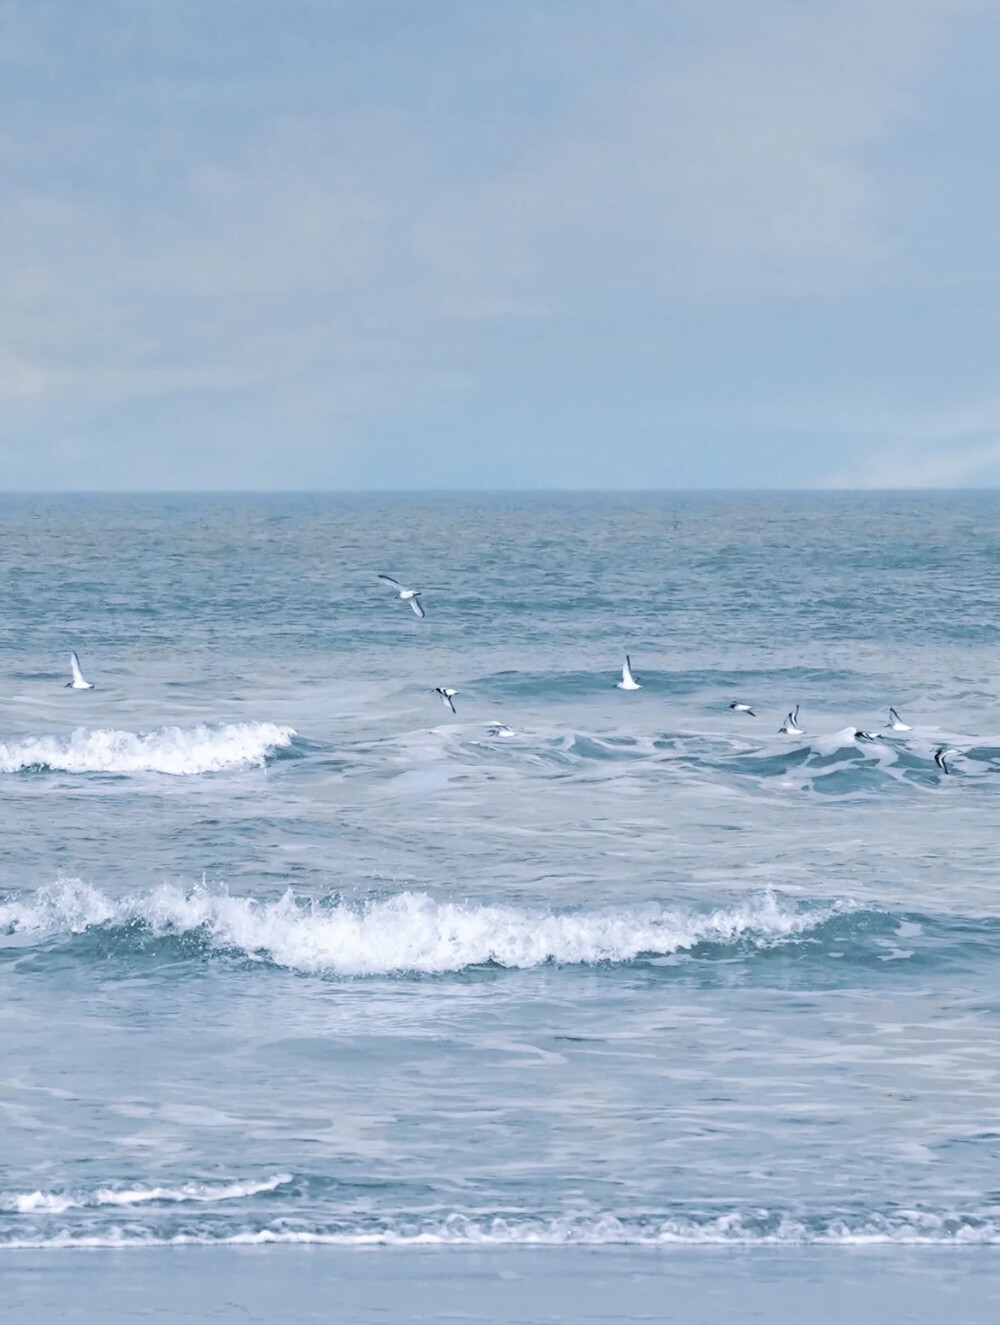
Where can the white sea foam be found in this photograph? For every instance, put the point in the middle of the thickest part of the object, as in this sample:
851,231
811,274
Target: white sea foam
411,932
56,1203
177,751
733,1228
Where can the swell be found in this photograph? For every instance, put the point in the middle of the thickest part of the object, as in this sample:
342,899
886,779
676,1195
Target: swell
176,751
408,933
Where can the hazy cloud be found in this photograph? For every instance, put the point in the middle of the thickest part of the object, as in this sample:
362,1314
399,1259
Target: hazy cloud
322,247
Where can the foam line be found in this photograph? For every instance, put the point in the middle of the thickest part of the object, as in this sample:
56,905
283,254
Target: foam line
732,1229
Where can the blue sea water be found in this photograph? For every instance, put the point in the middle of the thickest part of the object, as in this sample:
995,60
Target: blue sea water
291,954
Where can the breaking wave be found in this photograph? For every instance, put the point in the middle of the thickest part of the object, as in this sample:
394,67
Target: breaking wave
177,751
739,1228
57,1203
407,933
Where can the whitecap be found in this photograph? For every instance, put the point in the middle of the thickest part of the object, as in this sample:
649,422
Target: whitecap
57,1203
411,932
177,751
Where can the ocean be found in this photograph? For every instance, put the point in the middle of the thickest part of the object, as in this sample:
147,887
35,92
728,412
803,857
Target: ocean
575,986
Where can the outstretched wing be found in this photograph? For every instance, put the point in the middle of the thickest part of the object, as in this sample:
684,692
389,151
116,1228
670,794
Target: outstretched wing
415,604
74,663
387,579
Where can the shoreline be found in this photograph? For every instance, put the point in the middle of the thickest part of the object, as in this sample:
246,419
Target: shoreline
530,1286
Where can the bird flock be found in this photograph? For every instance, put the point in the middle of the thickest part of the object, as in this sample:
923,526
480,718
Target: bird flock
790,726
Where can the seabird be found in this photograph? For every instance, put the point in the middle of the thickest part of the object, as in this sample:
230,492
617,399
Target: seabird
863,736
500,729
411,596
896,722
77,683
446,693
628,681
743,708
790,727
941,758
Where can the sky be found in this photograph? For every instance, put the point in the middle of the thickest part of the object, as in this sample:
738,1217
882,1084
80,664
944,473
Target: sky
584,244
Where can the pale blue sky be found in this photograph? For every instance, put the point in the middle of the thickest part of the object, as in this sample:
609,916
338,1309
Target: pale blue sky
499,243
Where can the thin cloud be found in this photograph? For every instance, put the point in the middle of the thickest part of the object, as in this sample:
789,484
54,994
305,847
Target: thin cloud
292,280
948,463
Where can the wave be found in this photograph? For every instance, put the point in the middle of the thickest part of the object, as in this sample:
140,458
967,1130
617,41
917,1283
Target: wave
745,1229
178,751
836,764
407,933
57,1203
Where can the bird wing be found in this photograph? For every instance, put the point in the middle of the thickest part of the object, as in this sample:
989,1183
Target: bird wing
74,663
415,604
387,579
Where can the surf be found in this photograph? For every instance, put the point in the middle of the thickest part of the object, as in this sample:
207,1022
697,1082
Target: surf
734,1227
173,751
408,933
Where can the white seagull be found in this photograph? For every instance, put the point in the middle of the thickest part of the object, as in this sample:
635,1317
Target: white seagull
743,708
896,722
446,694
790,727
411,596
628,681
78,682
500,729
864,736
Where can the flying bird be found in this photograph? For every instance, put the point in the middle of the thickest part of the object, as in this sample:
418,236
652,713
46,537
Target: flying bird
743,708
896,722
411,596
863,736
446,694
941,755
628,681
78,682
790,727
500,729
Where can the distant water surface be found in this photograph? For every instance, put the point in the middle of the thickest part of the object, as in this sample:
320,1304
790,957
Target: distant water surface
291,954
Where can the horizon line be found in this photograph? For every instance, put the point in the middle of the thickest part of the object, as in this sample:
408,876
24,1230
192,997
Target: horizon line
484,492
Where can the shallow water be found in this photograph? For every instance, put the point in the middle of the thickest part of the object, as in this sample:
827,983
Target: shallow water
290,953
510,1286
